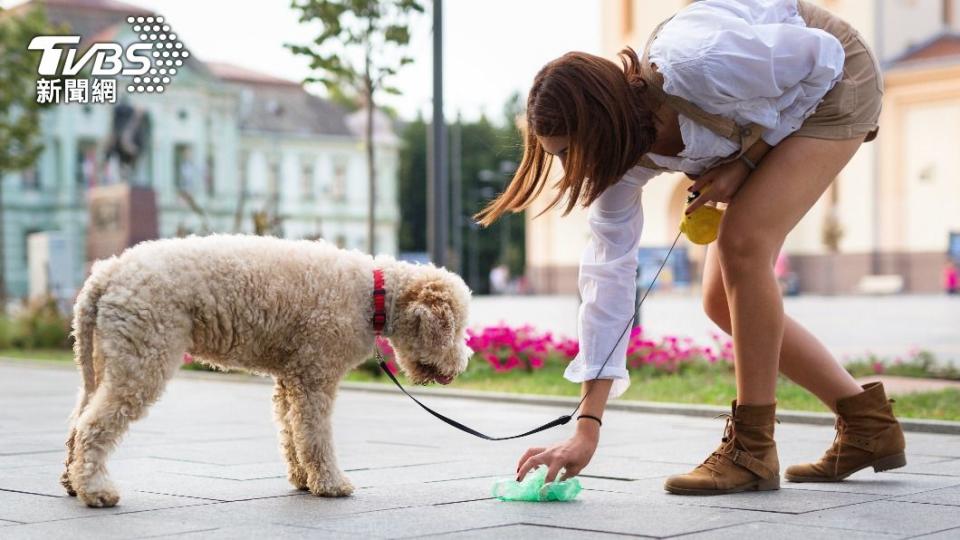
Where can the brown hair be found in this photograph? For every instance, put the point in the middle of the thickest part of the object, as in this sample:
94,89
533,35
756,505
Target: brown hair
601,108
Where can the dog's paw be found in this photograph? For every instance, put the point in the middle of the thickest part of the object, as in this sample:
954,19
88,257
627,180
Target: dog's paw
337,486
97,491
103,498
67,484
298,479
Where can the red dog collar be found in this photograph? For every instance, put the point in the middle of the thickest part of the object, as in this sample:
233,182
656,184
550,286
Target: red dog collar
379,302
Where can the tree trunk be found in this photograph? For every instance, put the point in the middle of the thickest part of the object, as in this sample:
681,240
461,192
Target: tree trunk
371,163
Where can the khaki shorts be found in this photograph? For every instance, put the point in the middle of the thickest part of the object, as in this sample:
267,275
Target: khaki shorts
852,107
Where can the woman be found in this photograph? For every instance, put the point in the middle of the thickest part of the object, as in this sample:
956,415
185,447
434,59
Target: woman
763,103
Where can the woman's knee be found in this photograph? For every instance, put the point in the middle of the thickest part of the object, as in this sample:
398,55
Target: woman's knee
742,247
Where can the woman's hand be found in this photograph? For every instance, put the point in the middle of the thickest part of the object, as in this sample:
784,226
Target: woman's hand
723,182
572,455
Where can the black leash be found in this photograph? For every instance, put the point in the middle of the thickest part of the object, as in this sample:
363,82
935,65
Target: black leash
553,423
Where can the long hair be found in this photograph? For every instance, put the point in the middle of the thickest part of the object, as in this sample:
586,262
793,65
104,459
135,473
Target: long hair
601,108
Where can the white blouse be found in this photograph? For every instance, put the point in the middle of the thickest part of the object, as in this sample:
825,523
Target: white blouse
753,61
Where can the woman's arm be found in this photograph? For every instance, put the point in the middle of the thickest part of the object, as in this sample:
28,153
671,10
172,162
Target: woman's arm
607,283
607,288
596,392
725,180
576,452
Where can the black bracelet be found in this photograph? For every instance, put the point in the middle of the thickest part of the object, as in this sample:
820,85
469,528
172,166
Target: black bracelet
590,416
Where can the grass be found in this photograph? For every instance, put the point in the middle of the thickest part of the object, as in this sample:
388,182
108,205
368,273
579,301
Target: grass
38,354
706,385
697,384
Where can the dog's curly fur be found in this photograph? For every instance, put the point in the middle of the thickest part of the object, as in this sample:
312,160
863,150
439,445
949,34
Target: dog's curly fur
299,311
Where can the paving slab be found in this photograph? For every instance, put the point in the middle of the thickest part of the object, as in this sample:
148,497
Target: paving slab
889,517
101,527
888,484
947,496
32,508
946,534
934,467
206,463
783,531
526,532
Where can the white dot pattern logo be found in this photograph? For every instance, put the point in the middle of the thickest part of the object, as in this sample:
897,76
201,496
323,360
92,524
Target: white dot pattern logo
167,52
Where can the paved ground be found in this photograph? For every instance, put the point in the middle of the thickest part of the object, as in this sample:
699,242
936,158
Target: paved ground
848,325
205,464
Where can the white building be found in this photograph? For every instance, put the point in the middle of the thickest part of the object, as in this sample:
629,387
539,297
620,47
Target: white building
224,142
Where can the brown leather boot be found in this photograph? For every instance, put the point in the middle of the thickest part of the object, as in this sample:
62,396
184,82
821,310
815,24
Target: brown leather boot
746,460
868,435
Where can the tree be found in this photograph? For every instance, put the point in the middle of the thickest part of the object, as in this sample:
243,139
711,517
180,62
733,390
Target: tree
372,29
412,184
485,146
19,111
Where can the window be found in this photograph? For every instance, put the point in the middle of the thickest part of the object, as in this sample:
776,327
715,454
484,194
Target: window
244,163
56,164
87,164
30,178
307,184
338,190
184,168
273,176
209,174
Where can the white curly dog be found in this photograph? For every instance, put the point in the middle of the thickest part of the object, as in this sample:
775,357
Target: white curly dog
299,311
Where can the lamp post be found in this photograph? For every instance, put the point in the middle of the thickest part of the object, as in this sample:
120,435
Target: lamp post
456,188
437,195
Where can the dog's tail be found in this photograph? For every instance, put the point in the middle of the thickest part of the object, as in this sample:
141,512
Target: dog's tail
85,321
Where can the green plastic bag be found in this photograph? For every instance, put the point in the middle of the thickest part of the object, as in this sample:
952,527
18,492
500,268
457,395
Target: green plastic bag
533,488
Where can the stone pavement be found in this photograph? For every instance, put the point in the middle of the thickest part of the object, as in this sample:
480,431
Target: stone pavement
205,464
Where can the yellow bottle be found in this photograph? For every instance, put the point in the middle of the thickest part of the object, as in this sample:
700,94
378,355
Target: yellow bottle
702,225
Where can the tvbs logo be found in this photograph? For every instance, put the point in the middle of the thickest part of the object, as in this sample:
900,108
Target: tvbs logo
150,60
107,58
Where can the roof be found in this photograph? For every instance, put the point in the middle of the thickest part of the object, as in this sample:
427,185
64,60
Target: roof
86,18
943,48
235,73
273,104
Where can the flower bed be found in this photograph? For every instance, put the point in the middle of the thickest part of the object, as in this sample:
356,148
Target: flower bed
502,349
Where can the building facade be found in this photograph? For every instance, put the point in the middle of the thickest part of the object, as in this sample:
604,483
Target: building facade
892,209
224,147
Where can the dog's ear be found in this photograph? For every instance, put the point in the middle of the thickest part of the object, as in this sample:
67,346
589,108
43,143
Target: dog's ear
429,313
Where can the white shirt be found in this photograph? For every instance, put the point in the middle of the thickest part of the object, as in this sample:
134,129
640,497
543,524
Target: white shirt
753,61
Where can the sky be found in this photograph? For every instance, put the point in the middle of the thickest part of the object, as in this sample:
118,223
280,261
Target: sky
492,48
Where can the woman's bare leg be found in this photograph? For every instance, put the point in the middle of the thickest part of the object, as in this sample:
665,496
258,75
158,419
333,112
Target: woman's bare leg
803,358
771,202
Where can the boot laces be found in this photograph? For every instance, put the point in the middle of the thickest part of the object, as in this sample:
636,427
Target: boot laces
837,447
713,461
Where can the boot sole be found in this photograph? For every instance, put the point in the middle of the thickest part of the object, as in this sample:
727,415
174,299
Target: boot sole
760,485
888,463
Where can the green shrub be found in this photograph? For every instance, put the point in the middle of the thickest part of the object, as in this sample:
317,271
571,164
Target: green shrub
6,332
918,363
40,325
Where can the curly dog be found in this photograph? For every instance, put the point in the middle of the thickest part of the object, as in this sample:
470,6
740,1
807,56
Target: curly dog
299,311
